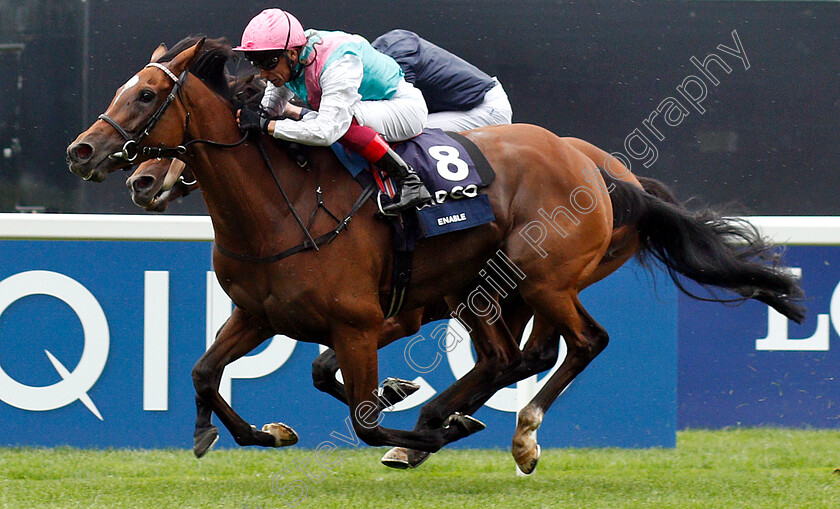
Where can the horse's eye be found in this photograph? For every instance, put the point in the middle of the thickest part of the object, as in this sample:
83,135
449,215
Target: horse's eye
147,96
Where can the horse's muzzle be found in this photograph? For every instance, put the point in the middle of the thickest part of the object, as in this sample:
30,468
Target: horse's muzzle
91,162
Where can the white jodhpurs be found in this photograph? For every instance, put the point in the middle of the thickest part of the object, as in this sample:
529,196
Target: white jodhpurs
493,110
397,119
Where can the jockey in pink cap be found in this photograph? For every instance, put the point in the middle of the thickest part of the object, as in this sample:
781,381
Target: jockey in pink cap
357,95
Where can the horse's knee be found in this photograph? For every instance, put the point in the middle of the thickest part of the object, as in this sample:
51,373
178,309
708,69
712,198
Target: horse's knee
538,361
589,348
202,375
323,371
499,361
598,342
431,416
513,360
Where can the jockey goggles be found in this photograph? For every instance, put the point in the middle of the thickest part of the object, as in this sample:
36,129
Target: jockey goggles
267,61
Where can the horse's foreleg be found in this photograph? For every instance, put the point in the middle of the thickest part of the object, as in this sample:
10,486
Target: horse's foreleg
491,375
206,434
497,351
357,355
238,336
325,366
324,369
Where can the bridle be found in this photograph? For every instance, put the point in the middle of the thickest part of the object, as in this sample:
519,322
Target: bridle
130,150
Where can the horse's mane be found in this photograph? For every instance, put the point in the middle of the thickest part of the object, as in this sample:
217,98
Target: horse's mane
209,67
247,90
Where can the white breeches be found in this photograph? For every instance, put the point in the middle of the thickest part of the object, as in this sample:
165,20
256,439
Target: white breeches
494,110
399,118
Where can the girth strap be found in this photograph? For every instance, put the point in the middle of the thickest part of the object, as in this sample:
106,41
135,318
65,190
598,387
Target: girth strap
402,278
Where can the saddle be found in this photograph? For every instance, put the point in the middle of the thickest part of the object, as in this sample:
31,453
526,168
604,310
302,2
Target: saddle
453,170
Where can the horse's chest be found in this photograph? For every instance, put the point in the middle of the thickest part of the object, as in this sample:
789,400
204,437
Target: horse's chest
288,312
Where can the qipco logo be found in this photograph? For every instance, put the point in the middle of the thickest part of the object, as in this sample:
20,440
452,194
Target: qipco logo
74,384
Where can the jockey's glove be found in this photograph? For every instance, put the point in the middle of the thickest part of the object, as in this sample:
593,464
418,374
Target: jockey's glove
250,120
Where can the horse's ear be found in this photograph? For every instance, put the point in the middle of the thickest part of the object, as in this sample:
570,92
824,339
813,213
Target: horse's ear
186,58
159,52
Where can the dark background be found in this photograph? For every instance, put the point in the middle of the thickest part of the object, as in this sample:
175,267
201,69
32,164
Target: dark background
593,70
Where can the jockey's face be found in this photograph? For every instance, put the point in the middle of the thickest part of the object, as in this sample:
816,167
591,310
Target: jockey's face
280,73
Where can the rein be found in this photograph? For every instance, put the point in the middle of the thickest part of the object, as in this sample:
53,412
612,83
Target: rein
310,243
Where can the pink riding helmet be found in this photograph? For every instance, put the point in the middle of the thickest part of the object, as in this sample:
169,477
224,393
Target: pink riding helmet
272,29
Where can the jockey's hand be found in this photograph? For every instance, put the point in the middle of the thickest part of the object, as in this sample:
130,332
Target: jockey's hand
250,120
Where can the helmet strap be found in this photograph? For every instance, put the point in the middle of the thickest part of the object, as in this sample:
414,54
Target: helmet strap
295,68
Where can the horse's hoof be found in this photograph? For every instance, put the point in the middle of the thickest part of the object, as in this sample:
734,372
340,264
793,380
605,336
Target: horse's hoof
396,458
205,441
402,458
466,423
395,390
416,458
528,466
284,435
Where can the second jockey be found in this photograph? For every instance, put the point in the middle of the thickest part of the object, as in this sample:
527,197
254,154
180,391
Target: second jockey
354,92
458,94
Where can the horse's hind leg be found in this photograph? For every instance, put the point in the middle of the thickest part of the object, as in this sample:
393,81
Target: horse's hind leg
238,336
585,339
497,352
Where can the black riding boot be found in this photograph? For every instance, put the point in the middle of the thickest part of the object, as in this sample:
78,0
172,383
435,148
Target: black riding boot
411,191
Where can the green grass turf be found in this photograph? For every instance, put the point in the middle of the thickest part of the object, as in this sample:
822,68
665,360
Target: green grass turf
750,468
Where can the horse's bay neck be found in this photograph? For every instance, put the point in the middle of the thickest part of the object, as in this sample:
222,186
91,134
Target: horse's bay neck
248,212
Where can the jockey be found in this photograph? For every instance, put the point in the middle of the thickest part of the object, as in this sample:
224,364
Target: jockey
354,93
459,95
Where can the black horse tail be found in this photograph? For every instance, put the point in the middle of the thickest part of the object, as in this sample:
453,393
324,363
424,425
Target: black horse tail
703,246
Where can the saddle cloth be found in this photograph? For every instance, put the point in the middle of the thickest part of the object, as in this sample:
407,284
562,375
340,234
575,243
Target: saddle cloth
453,170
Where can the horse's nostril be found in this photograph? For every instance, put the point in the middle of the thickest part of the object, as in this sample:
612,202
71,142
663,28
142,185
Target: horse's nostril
82,151
140,184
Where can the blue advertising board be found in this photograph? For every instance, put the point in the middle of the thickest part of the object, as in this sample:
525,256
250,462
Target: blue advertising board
749,366
98,338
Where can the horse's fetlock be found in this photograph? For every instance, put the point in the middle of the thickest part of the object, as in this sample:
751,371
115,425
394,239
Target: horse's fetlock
371,436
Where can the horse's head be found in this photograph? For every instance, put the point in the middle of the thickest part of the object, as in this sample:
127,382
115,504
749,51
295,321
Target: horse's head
157,182
145,112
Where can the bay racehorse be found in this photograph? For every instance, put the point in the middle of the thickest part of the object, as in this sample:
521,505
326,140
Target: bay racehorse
157,182
336,295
